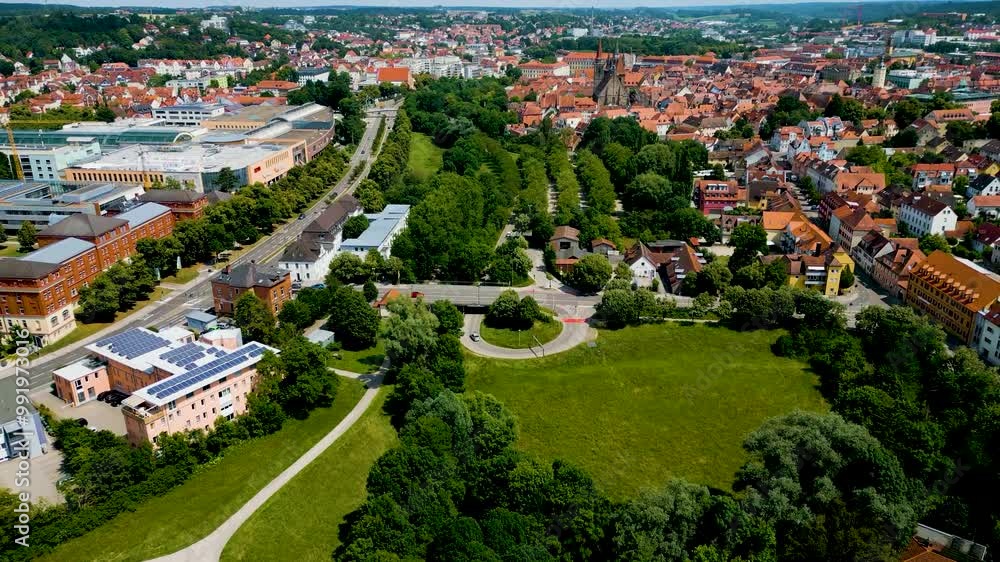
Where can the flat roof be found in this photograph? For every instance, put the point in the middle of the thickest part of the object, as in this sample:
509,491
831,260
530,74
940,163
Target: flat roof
192,158
252,113
380,227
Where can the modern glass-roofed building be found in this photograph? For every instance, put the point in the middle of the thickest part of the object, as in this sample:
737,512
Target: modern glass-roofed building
109,135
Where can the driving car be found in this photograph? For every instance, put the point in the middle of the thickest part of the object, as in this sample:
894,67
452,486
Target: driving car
474,336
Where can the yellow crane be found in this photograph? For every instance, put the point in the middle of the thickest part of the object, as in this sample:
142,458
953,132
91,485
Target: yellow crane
17,169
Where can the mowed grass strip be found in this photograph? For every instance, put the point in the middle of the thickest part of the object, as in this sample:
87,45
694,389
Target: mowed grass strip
544,332
363,361
301,521
194,509
650,402
425,157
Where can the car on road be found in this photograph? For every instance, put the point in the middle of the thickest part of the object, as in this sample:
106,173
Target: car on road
474,336
82,422
302,216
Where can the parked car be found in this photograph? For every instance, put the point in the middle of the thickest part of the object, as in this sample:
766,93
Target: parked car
318,286
103,397
82,422
296,285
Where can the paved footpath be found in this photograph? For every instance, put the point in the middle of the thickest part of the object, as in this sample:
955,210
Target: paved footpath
209,549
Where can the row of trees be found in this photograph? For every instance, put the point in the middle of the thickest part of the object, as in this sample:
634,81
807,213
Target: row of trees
448,109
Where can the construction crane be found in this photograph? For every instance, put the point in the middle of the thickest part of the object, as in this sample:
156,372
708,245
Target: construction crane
16,167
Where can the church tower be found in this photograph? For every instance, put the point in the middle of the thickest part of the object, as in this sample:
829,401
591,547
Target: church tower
878,79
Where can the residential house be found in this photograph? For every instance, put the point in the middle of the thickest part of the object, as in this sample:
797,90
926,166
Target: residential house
983,184
887,260
383,228
715,196
925,175
924,215
308,258
183,203
672,260
818,272
853,228
952,291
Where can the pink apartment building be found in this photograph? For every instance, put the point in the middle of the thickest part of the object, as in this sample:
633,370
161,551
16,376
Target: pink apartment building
176,383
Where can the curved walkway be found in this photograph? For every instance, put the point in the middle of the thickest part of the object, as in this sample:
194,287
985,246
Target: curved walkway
209,549
572,335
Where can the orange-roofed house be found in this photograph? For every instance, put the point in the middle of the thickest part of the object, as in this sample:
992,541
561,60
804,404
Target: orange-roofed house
952,291
395,75
802,236
277,87
985,205
775,223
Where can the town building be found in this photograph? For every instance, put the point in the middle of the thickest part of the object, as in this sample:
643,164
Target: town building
45,203
113,237
383,227
887,260
924,215
308,258
952,291
183,203
272,285
715,196
194,165
176,383
983,184
816,272
669,261
46,163
189,114
39,290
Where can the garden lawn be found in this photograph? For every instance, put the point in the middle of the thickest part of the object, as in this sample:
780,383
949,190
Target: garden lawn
650,402
364,361
182,276
425,158
301,521
194,509
520,339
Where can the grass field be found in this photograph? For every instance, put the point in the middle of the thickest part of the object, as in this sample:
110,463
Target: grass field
650,402
301,521
193,510
544,332
10,250
364,361
182,276
425,158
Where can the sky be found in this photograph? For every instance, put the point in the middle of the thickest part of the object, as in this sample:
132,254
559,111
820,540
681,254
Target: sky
426,3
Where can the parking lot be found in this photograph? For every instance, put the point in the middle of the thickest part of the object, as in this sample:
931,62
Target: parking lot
97,414
42,478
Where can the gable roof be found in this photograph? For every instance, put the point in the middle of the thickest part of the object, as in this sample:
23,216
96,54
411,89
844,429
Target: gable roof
83,226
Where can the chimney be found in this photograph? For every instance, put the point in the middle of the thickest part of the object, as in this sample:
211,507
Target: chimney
226,269
817,251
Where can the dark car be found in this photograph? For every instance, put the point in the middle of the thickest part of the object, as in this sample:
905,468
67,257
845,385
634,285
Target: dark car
82,422
115,398
103,397
302,216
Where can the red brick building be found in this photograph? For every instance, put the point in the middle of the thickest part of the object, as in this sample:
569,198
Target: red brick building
183,203
271,285
114,237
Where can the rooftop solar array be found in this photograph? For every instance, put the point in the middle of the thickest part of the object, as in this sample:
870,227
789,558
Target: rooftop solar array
208,370
132,343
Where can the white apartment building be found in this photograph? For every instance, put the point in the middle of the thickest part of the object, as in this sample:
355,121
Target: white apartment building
46,163
923,215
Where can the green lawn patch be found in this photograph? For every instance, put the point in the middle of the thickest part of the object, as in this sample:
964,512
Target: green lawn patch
194,509
182,276
544,332
650,402
301,521
10,250
83,331
425,158
364,361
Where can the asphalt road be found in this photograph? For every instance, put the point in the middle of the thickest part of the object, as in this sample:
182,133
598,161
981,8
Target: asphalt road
172,310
